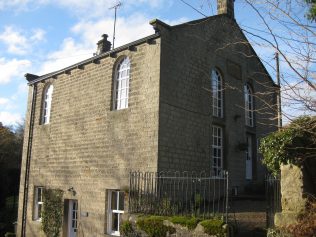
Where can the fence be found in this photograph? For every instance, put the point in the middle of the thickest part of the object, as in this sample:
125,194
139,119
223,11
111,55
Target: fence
273,196
178,193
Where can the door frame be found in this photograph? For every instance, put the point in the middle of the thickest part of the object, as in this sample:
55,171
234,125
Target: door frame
69,219
249,154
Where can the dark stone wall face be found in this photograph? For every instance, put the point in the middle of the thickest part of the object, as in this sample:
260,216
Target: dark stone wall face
189,53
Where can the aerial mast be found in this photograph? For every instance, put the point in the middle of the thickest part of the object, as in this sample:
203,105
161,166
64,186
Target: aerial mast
115,7
279,91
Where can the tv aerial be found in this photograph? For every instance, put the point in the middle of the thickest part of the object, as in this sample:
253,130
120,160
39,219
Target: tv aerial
115,7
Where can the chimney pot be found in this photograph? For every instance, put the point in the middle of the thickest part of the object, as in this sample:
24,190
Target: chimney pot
30,77
103,45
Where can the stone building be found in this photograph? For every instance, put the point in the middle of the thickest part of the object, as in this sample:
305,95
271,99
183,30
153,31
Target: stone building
193,96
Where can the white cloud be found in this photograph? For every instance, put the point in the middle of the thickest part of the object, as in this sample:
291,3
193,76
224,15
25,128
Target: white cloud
13,3
4,101
83,8
8,118
89,32
18,42
21,5
15,41
69,53
127,29
177,21
12,68
21,92
38,35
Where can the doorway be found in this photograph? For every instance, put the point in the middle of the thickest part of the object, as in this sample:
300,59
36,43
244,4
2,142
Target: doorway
72,218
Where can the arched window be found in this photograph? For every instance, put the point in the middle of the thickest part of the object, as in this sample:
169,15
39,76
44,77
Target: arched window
217,93
249,106
47,102
121,84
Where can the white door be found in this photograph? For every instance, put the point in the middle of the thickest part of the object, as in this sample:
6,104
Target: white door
72,218
249,157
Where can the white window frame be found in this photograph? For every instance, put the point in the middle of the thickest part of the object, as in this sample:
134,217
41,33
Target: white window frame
217,151
249,106
217,93
38,203
47,104
249,156
121,84
117,211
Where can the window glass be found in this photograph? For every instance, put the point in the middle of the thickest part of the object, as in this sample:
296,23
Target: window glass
121,202
217,151
38,203
121,84
249,106
217,94
114,201
115,221
116,209
47,104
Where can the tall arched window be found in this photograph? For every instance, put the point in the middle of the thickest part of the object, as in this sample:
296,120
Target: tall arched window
47,102
249,106
121,84
217,93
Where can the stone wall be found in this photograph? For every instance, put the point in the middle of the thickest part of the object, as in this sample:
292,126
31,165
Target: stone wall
296,190
87,145
188,54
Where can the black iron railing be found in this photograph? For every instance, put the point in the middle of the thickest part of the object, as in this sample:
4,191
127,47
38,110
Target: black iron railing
178,193
273,196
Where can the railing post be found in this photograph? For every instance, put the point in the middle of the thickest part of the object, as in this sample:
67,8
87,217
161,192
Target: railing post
227,191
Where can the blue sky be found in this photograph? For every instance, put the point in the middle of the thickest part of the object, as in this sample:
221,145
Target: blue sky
40,36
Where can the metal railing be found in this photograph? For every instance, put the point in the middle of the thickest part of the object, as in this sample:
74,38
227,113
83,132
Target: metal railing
179,193
273,197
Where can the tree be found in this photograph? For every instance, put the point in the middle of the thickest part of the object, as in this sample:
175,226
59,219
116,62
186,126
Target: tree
294,144
11,140
286,29
7,158
294,38
312,10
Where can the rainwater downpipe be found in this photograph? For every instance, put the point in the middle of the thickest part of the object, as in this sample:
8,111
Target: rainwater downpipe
28,161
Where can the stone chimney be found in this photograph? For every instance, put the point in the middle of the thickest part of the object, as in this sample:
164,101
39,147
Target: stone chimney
103,45
30,77
226,7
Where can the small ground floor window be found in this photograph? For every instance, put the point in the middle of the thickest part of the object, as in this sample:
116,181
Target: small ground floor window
38,203
115,211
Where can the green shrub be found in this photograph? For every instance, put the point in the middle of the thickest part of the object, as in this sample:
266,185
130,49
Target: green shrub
126,228
154,227
189,222
292,144
213,227
52,215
